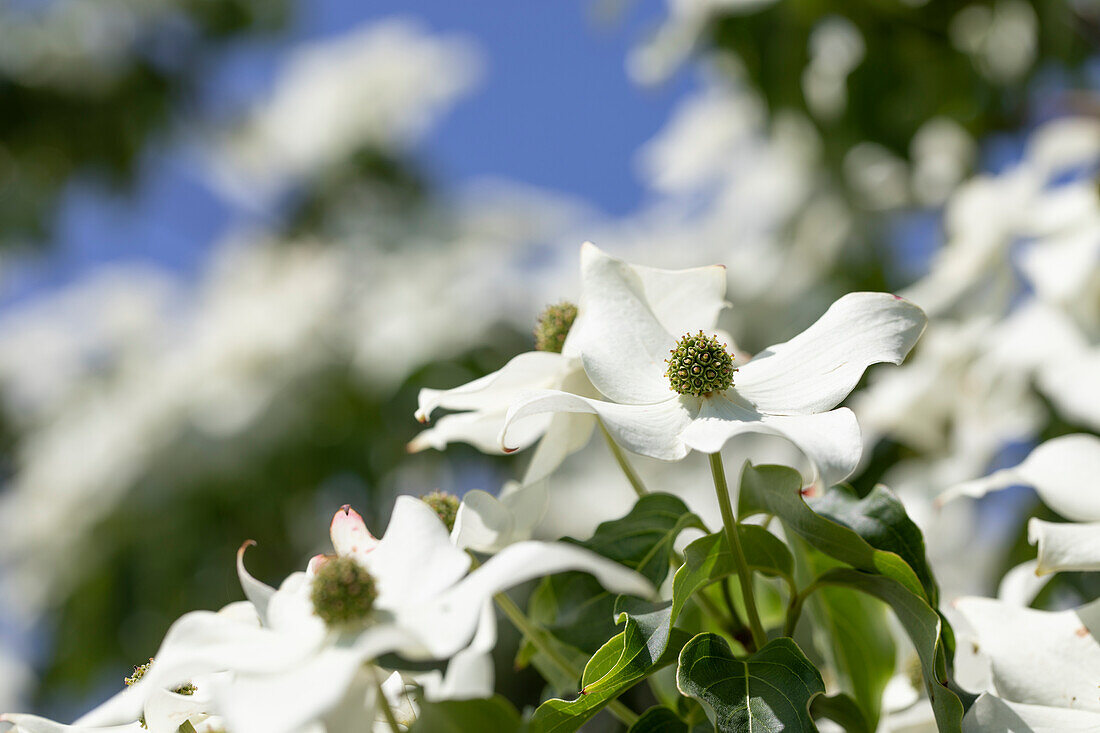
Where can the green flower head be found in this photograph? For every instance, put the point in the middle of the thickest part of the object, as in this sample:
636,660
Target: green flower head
553,326
699,365
445,505
343,592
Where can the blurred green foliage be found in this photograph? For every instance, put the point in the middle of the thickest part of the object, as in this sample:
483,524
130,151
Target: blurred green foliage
75,110
913,70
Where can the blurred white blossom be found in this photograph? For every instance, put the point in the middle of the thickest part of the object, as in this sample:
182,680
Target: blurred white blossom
380,85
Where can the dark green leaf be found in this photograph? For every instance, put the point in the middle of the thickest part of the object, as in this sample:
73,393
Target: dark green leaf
467,716
574,607
863,650
768,692
923,625
558,680
643,538
778,490
659,720
880,519
647,643
856,637
842,710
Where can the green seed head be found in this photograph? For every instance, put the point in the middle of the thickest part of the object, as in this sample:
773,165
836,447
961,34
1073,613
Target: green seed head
139,672
553,326
141,669
443,504
343,592
699,365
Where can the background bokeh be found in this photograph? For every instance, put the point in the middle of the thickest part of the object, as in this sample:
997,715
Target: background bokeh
237,236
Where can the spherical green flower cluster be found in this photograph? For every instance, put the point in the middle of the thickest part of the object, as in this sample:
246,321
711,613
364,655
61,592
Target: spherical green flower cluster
343,592
553,326
699,365
445,505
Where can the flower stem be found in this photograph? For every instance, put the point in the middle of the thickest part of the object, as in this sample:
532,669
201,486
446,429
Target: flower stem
631,476
733,536
383,702
528,629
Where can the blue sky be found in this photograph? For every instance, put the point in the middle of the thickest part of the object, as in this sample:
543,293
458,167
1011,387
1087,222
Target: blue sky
555,109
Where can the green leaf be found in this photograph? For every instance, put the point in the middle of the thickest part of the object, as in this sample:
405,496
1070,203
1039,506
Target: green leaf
643,646
880,519
467,716
646,643
708,559
559,681
574,607
778,490
842,710
852,631
659,720
768,692
923,625
643,538
855,629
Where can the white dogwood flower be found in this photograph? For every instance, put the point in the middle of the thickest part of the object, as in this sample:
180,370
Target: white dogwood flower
309,643
664,408
680,300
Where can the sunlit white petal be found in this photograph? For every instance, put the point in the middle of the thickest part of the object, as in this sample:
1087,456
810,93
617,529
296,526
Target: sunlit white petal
622,340
415,560
1061,470
1038,657
830,439
991,713
818,368
1065,546
651,430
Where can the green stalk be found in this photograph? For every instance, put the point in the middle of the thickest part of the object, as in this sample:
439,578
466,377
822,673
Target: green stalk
733,536
528,629
624,464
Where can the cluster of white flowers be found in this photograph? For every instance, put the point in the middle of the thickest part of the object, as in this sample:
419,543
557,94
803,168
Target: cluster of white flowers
1013,300
380,86
311,643
309,646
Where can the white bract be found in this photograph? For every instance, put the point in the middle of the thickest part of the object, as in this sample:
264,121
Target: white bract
164,712
486,523
1062,472
991,713
680,299
790,389
1042,666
